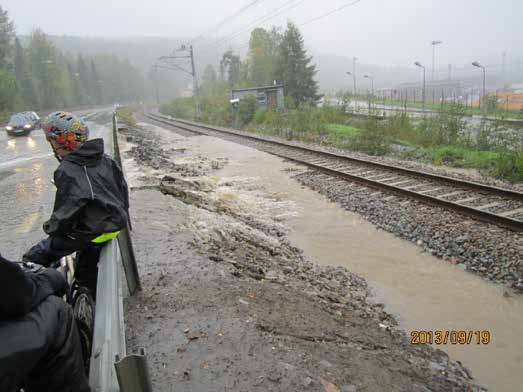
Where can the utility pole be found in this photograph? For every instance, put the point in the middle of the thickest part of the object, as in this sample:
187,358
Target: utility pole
484,97
189,55
418,64
371,95
354,59
434,43
504,62
195,82
156,84
450,72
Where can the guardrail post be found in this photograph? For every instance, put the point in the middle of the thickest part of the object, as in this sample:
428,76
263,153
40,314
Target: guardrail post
129,262
133,373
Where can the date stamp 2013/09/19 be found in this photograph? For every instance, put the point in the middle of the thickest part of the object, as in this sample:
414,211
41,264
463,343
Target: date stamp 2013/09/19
441,337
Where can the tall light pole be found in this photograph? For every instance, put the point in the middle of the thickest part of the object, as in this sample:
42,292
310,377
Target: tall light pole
350,74
371,83
418,64
354,59
434,43
483,97
156,89
372,89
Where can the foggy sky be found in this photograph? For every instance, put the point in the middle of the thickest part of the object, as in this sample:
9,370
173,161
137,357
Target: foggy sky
384,32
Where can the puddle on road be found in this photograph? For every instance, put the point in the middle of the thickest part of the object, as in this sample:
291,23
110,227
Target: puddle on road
423,292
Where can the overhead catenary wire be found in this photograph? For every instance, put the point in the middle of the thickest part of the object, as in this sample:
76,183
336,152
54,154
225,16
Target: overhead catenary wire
219,25
316,18
287,6
340,8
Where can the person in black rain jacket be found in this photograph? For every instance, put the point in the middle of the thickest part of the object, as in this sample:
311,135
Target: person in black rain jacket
39,343
91,204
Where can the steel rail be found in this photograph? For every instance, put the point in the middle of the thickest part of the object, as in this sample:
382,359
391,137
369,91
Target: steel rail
453,181
487,216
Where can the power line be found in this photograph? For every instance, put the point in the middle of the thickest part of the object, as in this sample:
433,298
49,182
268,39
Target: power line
287,6
261,19
330,12
219,25
316,18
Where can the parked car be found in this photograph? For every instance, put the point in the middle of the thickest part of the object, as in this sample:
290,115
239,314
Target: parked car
21,124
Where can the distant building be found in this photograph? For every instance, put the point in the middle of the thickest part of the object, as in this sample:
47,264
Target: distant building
271,97
509,100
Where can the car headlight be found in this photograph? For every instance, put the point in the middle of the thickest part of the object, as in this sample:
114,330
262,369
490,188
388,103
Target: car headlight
9,128
27,126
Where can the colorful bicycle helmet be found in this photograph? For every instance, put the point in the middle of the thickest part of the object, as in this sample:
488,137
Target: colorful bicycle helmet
67,129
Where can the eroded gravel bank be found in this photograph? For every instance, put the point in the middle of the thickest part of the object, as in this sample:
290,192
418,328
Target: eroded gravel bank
230,305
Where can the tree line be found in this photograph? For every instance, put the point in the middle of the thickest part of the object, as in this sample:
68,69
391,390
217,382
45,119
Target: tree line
274,56
35,75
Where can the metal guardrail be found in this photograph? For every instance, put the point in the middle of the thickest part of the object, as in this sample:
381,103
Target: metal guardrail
109,329
124,239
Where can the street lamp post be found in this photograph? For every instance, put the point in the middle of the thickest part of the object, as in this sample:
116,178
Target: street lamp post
156,87
371,88
483,97
434,43
354,59
371,83
351,74
418,64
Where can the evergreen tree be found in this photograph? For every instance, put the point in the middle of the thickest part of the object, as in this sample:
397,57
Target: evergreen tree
209,74
7,34
8,90
41,77
294,68
231,63
75,84
23,76
83,75
211,85
96,87
19,61
263,52
45,71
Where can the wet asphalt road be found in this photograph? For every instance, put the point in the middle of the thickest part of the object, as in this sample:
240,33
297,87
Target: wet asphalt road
26,190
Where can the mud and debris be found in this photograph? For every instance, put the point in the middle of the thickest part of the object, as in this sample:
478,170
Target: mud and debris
492,252
230,305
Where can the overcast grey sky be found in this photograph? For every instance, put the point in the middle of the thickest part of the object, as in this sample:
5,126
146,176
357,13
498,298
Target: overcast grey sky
395,32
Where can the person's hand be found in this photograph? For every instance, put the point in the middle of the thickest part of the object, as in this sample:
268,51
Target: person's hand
57,280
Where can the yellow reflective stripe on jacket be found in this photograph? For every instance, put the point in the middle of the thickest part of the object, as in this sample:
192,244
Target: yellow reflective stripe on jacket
106,237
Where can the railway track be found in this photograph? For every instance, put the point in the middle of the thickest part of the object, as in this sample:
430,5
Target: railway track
495,205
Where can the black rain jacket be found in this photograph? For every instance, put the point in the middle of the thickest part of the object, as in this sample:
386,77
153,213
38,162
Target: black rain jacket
39,343
21,292
91,195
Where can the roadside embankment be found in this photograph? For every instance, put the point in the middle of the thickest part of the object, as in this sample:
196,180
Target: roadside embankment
230,304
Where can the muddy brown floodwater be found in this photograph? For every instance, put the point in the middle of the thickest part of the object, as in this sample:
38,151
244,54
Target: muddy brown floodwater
423,292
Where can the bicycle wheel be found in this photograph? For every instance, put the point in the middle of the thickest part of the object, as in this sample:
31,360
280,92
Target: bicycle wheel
84,311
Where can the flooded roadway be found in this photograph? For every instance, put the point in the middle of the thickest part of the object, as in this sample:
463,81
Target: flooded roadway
423,292
27,193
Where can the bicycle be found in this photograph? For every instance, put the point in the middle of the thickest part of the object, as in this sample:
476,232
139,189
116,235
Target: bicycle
81,300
